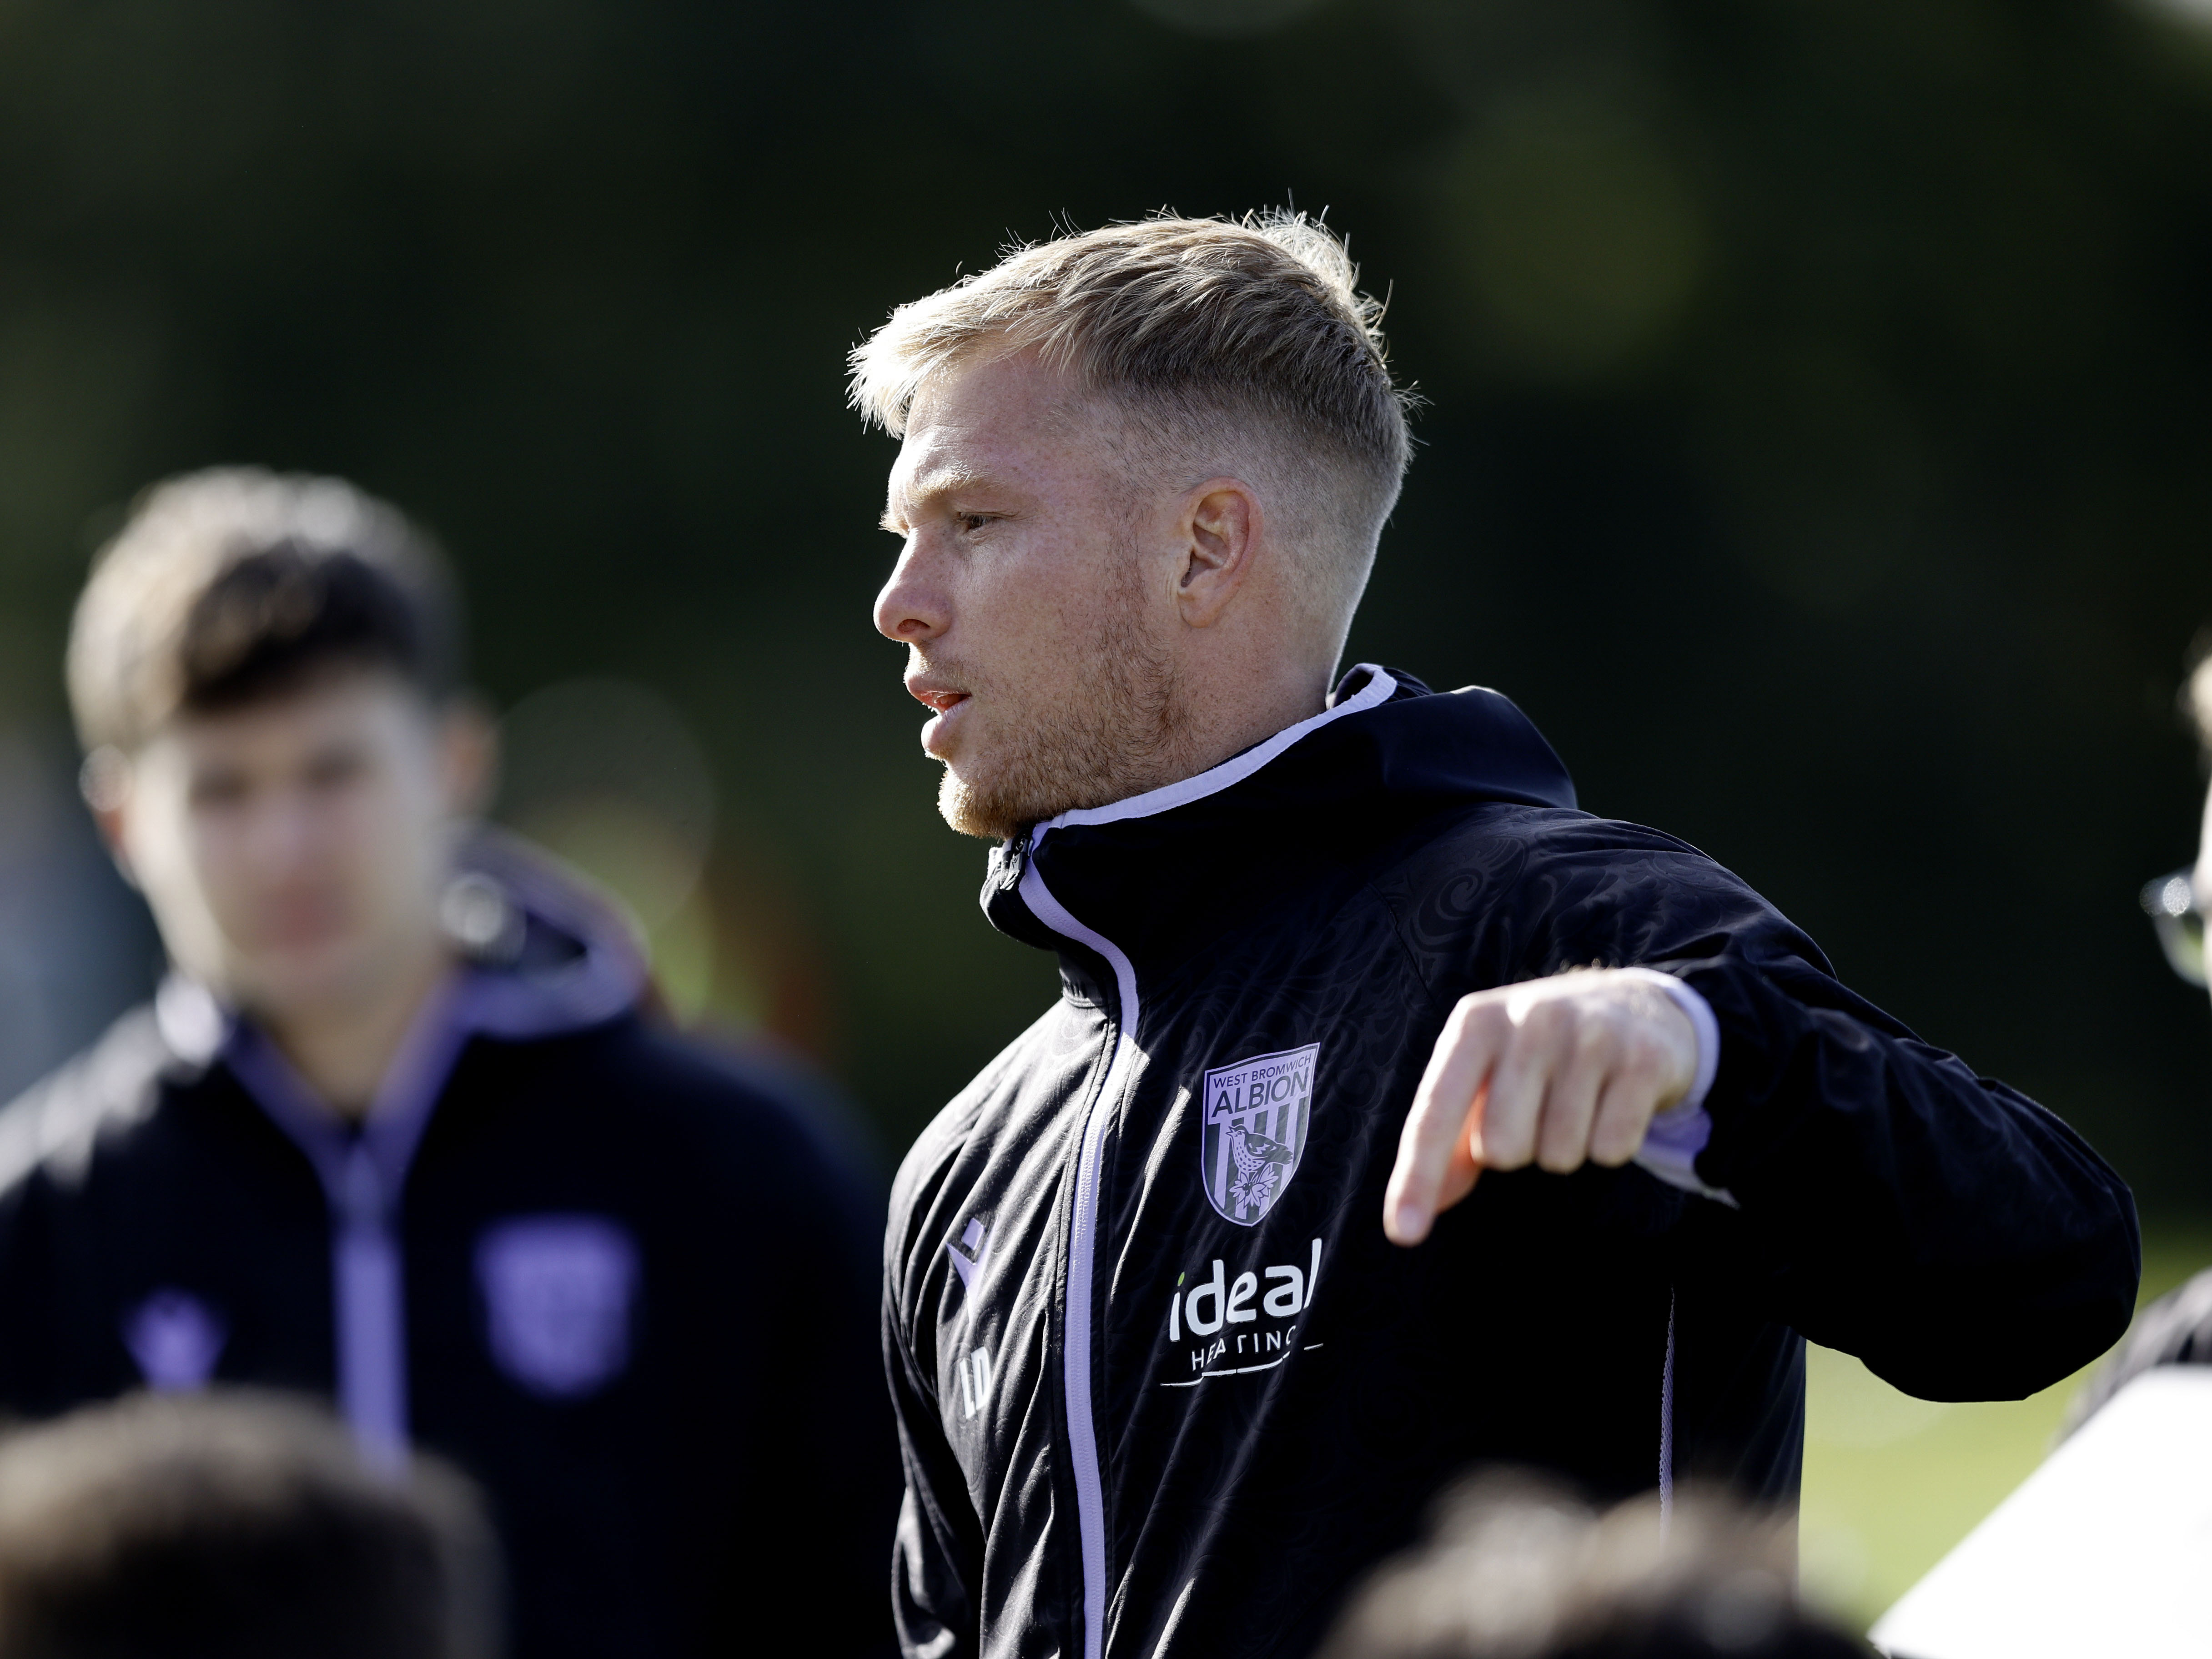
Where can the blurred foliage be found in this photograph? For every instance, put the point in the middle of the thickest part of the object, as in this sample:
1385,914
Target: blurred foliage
1816,441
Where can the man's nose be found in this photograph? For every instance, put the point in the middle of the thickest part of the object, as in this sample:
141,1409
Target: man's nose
282,832
912,608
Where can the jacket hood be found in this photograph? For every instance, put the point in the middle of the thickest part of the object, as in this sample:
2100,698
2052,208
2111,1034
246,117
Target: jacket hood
547,952
1161,871
539,955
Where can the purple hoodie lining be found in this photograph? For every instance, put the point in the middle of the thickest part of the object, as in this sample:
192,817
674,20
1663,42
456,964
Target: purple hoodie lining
362,1172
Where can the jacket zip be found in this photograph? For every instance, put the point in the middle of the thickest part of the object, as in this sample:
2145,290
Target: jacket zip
1075,1356
1017,868
1667,1420
363,1175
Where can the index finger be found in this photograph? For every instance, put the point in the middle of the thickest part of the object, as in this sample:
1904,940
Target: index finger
1438,1126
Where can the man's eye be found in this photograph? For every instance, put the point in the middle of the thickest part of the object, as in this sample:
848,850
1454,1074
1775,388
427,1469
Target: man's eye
218,790
334,771
973,521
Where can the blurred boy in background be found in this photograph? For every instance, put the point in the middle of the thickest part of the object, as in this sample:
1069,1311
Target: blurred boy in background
394,1130
184,1527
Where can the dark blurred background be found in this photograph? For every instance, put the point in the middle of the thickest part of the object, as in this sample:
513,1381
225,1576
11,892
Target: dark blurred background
1816,441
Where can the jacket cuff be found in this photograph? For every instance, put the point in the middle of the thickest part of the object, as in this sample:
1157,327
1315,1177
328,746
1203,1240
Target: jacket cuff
1678,1134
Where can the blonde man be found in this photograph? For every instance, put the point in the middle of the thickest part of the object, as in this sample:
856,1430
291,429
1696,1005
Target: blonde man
1195,1297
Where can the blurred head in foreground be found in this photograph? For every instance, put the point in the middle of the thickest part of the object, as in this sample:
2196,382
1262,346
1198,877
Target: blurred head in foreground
1515,1569
262,670
238,1527
1143,476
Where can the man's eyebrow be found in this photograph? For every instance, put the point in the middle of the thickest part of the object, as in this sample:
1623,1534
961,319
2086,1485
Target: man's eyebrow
921,490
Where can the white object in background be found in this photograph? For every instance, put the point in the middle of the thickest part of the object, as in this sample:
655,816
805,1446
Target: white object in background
2106,1550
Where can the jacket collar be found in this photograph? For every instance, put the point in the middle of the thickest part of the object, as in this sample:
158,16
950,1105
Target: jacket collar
539,954
1162,873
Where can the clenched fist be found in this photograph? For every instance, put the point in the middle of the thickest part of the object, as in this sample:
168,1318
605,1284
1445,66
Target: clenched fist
1558,1072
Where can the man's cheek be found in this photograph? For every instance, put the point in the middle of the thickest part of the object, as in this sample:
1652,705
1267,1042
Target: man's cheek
232,900
968,741
360,828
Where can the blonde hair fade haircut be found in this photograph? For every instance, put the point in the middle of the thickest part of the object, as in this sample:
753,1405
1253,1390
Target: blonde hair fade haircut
1238,347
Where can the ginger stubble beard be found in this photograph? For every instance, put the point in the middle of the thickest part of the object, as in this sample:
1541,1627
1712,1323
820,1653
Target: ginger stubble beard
1116,730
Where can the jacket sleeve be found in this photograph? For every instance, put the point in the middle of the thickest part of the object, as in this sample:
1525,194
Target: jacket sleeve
810,1517
937,1558
26,1322
39,1316
1959,1238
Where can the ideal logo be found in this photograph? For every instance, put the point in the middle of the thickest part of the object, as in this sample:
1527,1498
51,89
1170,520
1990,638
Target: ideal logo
1232,1318
1255,1128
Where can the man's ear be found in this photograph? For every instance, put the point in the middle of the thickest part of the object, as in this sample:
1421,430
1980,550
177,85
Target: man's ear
1221,525
469,737
105,782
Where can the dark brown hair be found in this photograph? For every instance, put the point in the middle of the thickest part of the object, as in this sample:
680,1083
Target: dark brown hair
229,587
1518,1568
240,1524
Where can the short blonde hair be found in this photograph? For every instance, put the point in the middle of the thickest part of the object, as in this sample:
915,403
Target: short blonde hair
1224,339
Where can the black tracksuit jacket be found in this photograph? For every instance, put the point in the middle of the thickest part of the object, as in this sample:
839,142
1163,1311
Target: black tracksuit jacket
1163,1387
622,1282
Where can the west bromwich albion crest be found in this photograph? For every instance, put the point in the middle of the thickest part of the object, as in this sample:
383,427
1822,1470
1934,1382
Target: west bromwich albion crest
558,1292
1255,1117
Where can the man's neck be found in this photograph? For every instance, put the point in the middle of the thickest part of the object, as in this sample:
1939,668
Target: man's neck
344,1051
1239,722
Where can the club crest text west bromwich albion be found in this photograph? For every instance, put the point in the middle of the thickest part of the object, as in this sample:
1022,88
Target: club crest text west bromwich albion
1256,1112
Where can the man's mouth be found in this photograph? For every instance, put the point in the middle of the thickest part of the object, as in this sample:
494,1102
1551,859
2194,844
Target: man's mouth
301,925
942,701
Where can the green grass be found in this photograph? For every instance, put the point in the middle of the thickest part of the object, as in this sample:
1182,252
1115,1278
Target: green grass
1892,1483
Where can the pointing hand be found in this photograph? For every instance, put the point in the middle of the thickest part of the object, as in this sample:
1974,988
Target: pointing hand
1557,1072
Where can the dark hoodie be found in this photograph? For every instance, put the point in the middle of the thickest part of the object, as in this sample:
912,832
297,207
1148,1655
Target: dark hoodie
619,1280
1164,1388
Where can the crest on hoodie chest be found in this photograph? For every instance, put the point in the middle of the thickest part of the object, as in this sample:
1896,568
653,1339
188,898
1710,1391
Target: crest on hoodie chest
1256,1119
